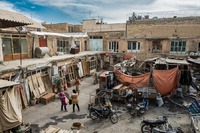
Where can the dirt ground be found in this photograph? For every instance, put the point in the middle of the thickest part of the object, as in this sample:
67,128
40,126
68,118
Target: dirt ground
42,116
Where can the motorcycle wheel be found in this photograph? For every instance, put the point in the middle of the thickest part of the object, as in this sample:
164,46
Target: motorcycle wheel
140,112
133,112
114,118
93,115
146,129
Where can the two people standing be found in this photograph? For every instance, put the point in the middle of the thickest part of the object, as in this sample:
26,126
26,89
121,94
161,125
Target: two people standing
64,100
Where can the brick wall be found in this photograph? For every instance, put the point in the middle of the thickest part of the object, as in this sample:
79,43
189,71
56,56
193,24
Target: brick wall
165,30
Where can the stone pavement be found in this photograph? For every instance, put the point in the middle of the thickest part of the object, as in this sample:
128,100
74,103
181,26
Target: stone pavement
41,116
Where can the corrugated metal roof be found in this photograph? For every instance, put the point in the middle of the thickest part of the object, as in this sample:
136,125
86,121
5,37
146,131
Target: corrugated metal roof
12,19
5,83
80,34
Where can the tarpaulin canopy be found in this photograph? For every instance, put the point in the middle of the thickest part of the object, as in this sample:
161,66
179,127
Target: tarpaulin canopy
138,81
5,83
173,61
108,54
165,81
10,110
127,56
195,61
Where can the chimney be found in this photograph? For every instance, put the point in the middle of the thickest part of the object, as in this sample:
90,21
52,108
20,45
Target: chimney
146,16
139,17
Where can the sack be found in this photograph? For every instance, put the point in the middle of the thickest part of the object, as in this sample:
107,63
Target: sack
66,100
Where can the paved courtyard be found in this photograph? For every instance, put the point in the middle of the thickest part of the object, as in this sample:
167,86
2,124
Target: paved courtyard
41,116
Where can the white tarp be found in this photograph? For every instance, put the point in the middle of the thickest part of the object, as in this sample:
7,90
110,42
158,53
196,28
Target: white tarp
80,70
173,61
10,109
5,83
79,34
195,61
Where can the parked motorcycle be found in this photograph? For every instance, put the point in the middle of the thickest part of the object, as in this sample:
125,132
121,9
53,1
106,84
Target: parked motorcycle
158,126
138,109
103,112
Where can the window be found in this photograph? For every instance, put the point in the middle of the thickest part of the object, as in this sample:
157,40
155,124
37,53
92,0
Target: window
63,46
9,43
95,37
16,45
133,46
85,45
156,46
92,64
24,46
71,29
178,46
7,46
70,73
113,46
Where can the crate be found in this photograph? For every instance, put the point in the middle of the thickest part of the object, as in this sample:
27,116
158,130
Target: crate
47,98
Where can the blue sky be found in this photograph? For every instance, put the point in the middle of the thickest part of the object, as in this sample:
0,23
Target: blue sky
112,11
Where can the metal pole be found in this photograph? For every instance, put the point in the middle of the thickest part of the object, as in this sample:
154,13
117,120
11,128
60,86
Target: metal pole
20,45
20,48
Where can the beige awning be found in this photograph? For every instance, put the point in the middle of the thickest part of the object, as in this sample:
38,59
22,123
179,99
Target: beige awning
5,83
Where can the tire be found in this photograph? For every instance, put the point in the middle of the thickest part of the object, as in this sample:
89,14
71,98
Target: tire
140,112
114,118
93,115
146,129
170,127
133,112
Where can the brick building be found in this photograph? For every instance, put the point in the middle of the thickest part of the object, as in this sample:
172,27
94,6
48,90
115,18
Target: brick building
62,27
164,36
105,37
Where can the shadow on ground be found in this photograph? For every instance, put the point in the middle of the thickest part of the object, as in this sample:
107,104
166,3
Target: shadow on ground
37,129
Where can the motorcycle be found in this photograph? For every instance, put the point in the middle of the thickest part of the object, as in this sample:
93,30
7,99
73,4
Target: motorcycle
160,125
138,109
103,112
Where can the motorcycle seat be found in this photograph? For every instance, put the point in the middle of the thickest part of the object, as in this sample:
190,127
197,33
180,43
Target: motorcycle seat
141,105
154,122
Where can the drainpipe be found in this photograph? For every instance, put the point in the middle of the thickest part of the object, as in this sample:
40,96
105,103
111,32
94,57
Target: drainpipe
33,46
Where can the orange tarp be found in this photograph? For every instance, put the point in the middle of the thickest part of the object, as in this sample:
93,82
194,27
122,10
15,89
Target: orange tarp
165,81
136,81
108,54
128,56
